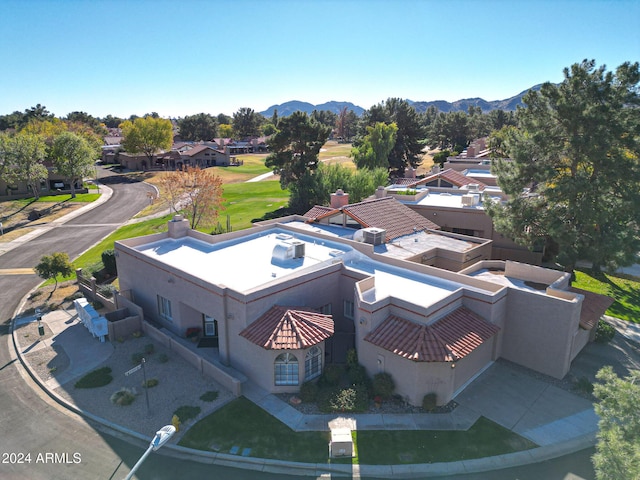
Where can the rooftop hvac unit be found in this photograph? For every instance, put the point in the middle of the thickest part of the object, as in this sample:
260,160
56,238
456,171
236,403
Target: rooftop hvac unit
298,249
374,236
470,200
473,187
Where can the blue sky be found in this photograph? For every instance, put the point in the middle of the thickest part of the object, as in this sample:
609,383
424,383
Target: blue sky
182,57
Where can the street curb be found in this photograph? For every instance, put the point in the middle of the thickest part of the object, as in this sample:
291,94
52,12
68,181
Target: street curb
479,465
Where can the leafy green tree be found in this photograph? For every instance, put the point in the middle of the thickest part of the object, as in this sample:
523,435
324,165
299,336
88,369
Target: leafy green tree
224,119
27,155
86,119
51,266
246,123
7,171
13,120
112,122
576,157
617,454
359,184
225,130
451,131
374,150
325,117
198,127
294,156
147,135
407,150
73,158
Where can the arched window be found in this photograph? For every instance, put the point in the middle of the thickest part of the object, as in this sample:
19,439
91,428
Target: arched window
286,369
313,363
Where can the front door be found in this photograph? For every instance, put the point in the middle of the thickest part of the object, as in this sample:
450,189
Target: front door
210,328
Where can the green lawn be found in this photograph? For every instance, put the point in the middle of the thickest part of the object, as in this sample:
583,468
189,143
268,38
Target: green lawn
623,288
245,202
245,425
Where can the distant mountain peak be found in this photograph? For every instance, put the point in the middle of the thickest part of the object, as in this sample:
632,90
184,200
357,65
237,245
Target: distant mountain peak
287,108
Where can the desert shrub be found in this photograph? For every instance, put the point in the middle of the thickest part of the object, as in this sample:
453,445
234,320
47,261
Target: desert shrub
350,399
309,392
149,348
97,378
106,291
97,304
186,412
152,382
73,296
137,357
383,385
109,261
358,375
163,358
604,332
429,402
331,376
583,384
209,396
124,396
352,357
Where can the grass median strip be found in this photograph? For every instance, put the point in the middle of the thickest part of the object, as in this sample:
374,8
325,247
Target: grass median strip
241,423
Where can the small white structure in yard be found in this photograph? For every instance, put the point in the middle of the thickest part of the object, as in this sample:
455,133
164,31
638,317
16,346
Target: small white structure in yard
96,324
341,444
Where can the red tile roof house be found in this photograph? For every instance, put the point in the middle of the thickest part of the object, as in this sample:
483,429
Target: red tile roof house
455,201
287,297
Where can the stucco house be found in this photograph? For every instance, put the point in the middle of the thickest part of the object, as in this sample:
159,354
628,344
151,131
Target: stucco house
289,296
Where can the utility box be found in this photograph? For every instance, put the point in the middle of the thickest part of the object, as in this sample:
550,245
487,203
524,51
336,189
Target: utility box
341,443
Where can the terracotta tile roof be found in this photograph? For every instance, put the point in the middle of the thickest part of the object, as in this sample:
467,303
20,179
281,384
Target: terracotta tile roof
449,175
593,307
289,328
449,339
391,215
318,212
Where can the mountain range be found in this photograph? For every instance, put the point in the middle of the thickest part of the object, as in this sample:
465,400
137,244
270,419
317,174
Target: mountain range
508,104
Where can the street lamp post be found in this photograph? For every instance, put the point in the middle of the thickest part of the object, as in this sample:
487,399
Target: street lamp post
162,436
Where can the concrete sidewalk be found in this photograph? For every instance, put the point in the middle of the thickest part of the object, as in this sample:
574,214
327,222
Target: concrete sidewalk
559,421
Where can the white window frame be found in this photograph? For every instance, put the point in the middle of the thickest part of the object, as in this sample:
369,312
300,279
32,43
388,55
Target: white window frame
286,370
313,363
164,309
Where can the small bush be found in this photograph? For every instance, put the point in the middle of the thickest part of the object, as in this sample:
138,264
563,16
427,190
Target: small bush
97,304
351,399
383,385
73,296
209,396
163,358
95,379
186,412
358,375
309,392
123,397
604,332
331,376
352,357
429,402
583,384
149,348
137,357
106,291
152,382
109,261
136,334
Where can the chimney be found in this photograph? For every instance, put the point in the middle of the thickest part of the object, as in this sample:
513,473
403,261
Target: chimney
178,227
381,192
339,199
471,151
410,172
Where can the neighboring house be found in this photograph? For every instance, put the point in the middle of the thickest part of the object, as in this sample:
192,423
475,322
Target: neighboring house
285,298
205,156
54,184
455,201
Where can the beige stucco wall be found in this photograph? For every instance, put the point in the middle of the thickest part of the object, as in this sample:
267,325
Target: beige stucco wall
539,331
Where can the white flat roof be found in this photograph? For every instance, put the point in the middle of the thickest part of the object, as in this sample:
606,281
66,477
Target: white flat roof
242,264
